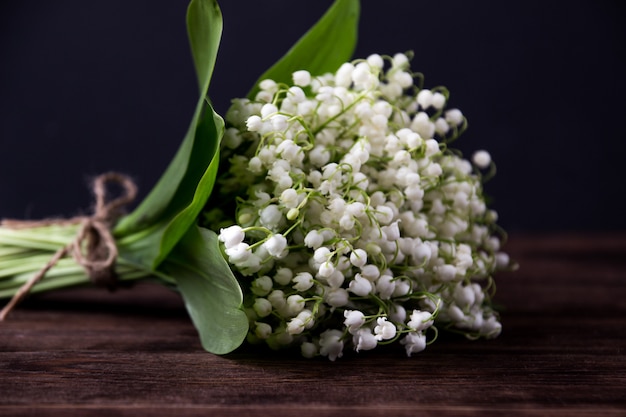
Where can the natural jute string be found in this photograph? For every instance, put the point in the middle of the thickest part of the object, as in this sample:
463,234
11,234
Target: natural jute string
94,246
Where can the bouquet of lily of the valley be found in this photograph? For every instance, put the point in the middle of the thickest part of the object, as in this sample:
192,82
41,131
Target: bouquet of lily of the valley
327,212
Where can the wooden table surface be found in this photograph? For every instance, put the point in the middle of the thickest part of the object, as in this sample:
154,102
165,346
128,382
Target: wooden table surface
135,353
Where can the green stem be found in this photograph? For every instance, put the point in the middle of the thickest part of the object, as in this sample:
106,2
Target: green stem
25,251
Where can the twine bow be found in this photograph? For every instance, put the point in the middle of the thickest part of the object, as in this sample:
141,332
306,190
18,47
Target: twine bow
94,246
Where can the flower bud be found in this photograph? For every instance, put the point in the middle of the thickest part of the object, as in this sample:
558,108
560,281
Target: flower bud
481,159
302,78
262,330
262,307
303,281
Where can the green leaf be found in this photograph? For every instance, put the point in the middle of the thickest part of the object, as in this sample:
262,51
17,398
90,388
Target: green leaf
212,295
175,201
151,245
200,183
327,45
204,28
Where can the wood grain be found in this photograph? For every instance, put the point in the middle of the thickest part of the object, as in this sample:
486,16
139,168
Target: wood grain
135,353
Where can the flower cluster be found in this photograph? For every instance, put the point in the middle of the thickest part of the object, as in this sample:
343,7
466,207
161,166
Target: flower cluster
355,224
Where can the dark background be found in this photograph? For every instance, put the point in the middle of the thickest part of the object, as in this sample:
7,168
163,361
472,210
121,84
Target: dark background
88,87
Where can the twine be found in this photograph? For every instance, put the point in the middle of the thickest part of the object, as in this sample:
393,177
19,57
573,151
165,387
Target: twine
94,245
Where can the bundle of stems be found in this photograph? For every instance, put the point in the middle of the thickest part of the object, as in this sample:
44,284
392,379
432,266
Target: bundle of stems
25,251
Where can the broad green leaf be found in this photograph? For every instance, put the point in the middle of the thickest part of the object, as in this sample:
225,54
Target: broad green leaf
212,295
327,45
176,188
173,204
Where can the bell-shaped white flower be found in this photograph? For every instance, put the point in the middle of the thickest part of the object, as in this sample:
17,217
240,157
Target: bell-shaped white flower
331,344
302,78
363,339
358,258
482,159
262,285
276,245
420,320
262,330
360,286
295,326
354,319
336,297
303,281
232,236
262,307
254,123
384,329
414,342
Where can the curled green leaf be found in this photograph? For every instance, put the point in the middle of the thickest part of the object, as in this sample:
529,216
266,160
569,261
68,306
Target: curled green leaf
149,233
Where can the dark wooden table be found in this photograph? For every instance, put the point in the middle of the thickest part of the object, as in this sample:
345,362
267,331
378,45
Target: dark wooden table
135,353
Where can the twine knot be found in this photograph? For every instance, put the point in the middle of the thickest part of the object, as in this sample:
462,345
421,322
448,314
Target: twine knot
94,246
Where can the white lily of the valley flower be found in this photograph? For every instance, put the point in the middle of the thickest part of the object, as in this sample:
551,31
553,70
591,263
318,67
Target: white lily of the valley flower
232,236
331,344
354,319
420,320
262,307
262,330
414,342
360,286
302,78
276,245
351,209
363,339
481,159
384,329
303,281
295,326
